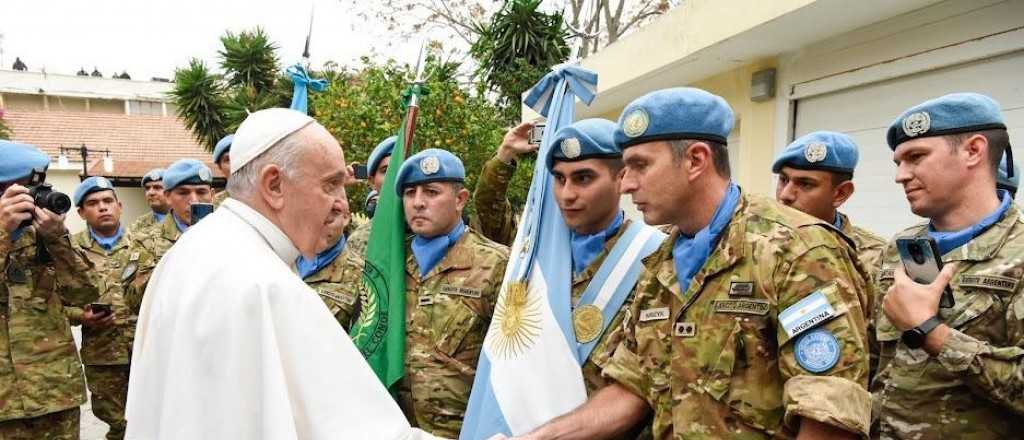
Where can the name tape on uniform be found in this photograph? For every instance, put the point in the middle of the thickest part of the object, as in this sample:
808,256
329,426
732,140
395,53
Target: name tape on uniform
448,289
989,282
746,306
654,314
341,297
806,314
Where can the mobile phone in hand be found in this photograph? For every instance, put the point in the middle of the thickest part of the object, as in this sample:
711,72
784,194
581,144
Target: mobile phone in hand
199,210
537,133
921,259
360,171
101,309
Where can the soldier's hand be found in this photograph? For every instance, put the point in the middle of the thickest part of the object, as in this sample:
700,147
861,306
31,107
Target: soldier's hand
907,304
16,206
49,224
96,320
516,142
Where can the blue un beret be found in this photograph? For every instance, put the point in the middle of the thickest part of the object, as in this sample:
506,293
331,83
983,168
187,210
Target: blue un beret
187,172
19,160
586,139
945,115
1003,181
153,175
89,186
821,150
430,165
677,113
382,150
223,146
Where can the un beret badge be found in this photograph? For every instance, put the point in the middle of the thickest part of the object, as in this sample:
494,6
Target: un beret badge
571,148
205,175
430,165
815,152
103,183
917,123
636,123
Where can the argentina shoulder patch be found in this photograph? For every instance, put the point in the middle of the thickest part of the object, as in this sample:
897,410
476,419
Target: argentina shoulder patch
809,312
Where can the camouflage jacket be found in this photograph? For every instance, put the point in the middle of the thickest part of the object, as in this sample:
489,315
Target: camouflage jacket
40,372
499,223
974,388
715,362
357,240
220,197
869,245
109,345
447,316
338,285
144,252
144,223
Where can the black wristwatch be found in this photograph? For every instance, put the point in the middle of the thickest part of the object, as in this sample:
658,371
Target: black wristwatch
914,338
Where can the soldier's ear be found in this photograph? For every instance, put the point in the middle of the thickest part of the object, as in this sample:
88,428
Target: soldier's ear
842,193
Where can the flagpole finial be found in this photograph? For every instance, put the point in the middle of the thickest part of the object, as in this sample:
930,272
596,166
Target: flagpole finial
421,64
309,35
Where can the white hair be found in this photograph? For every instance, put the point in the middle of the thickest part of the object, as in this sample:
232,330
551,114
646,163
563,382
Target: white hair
285,154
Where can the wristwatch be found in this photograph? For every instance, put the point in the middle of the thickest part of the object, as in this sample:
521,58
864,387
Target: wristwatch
914,338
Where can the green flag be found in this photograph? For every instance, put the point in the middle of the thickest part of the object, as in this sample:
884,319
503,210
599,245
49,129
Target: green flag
379,332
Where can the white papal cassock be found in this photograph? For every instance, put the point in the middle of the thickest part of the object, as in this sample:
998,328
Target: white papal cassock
231,344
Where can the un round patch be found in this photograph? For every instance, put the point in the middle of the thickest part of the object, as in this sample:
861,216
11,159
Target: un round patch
817,351
205,175
571,148
430,165
917,123
636,123
815,152
102,182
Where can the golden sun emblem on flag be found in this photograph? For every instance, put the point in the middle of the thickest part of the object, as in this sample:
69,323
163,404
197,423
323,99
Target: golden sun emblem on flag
516,322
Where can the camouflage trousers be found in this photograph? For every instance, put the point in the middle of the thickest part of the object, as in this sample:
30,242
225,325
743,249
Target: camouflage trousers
109,387
60,425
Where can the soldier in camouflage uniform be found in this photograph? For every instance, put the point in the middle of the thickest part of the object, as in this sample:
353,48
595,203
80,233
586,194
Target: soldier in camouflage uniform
41,381
187,181
499,223
335,272
953,373
376,170
153,185
816,177
222,158
106,338
452,279
752,324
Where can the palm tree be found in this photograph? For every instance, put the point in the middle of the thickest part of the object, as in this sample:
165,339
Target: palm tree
517,47
213,105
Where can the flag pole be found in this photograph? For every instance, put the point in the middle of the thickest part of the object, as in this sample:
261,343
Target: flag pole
412,112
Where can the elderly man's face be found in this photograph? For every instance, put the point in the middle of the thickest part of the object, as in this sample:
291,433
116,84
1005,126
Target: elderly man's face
334,231
315,196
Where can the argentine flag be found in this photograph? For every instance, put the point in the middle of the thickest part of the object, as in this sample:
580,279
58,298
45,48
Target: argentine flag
529,371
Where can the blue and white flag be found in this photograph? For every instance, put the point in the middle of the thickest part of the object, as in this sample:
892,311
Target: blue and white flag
529,370
300,83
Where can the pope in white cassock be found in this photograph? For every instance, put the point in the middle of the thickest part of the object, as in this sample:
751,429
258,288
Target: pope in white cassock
231,344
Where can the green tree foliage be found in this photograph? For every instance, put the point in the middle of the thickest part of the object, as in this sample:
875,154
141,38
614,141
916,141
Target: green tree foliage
362,107
516,48
213,104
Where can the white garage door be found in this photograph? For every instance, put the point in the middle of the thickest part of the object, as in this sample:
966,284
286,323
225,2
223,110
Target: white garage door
865,113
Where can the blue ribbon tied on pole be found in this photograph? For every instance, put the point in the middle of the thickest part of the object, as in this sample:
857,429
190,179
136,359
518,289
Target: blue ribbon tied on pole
582,82
301,82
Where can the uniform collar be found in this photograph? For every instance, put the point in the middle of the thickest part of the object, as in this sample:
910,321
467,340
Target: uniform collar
314,265
988,243
273,235
159,216
430,251
949,241
586,247
107,243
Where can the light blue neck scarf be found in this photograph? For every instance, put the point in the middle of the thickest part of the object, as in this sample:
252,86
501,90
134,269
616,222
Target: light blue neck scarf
159,217
182,226
429,251
313,265
838,222
585,248
108,243
690,253
948,241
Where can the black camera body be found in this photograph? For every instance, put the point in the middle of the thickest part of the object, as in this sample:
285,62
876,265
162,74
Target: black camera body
44,196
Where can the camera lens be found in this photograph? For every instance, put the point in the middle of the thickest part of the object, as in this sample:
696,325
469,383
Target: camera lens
916,253
58,202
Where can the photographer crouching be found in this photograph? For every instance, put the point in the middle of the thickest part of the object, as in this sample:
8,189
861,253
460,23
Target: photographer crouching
41,381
